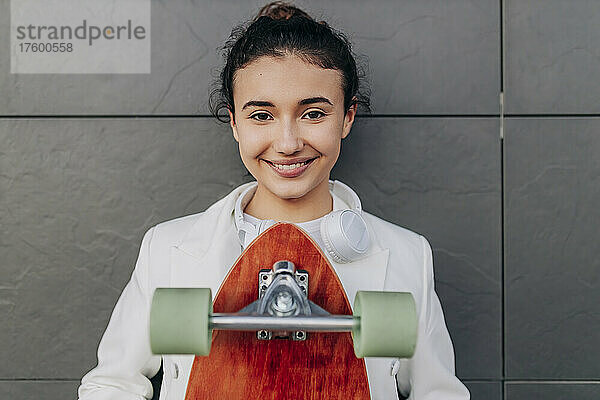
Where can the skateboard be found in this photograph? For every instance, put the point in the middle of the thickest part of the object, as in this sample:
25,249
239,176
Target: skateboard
281,326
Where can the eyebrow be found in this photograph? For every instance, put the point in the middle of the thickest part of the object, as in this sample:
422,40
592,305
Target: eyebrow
310,100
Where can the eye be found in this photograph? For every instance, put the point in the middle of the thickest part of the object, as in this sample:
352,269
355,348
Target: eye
263,116
315,114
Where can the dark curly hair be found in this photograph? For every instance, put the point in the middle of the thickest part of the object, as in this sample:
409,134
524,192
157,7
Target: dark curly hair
281,29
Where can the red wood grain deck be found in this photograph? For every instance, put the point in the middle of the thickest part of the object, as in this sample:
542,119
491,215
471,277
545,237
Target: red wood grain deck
242,367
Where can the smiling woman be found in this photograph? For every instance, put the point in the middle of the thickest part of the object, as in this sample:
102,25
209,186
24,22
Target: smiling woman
291,90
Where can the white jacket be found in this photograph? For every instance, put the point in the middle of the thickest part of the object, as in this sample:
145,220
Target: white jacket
198,250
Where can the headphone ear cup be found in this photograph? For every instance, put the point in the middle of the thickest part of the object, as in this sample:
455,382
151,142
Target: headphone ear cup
345,235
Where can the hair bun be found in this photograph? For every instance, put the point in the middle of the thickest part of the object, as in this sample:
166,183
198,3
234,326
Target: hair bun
281,10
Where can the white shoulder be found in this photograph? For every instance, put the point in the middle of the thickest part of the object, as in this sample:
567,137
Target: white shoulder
171,232
162,237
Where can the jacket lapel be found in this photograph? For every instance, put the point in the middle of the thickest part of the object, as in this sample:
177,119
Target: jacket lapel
368,273
188,270
209,249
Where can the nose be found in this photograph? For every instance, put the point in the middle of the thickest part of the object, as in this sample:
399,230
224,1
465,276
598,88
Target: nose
288,138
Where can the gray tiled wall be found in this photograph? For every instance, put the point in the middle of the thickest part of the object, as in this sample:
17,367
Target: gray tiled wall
552,53
512,220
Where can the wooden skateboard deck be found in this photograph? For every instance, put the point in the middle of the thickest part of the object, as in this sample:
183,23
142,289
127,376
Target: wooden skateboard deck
242,367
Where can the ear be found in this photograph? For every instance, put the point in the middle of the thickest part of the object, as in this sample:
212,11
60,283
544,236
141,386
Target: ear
349,119
233,125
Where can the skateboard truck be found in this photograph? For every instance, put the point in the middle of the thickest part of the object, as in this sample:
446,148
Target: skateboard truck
282,307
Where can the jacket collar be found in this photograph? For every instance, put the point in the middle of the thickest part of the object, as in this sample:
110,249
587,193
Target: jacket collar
211,246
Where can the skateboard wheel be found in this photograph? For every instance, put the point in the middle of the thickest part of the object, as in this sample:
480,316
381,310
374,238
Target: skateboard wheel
179,321
388,324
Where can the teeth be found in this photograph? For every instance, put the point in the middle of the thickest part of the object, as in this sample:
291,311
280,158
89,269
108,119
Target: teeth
291,166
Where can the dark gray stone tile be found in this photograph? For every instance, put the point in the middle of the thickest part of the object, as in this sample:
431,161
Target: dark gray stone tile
47,390
484,390
551,56
553,391
76,197
428,57
552,178
441,177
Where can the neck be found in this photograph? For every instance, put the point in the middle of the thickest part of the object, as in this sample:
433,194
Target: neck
315,204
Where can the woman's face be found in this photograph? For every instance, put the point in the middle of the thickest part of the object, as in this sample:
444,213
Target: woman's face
287,109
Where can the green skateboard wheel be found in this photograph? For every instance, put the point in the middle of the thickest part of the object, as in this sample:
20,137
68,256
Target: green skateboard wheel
179,321
388,324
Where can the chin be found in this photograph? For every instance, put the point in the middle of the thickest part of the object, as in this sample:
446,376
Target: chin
289,190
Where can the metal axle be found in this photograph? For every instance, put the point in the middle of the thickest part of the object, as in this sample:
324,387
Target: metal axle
240,322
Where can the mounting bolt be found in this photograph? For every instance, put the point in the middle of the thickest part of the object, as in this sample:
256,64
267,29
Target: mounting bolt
263,335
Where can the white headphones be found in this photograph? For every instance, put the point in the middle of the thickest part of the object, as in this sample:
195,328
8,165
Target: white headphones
344,232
